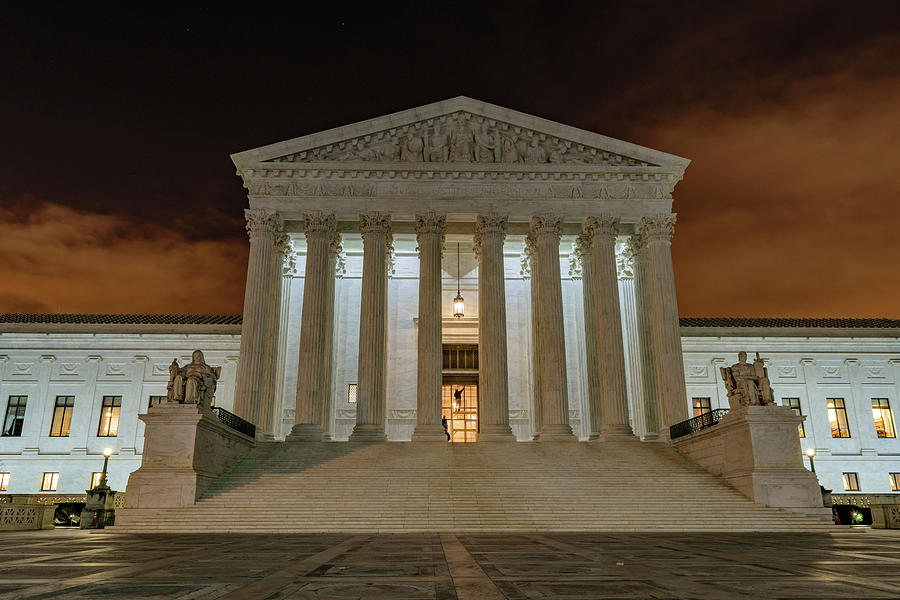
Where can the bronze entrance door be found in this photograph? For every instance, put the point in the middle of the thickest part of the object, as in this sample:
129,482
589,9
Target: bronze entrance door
459,392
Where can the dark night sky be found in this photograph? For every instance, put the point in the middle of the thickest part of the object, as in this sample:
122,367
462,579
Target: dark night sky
117,193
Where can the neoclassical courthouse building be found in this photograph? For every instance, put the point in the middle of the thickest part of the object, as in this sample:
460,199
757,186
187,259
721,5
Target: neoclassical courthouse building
457,269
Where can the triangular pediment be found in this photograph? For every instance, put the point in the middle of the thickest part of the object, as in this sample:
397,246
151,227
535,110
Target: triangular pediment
460,131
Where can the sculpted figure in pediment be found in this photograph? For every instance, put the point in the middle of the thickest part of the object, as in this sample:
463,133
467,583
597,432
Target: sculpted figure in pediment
460,142
509,153
486,145
437,145
412,148
533,152
358,152
386,150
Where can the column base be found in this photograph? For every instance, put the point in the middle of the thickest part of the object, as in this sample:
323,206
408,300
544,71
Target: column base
496,433
305,432
650,437
616,433
264,436
368,433
429,433
557,433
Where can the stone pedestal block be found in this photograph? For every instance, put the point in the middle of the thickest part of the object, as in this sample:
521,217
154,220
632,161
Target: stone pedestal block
99,507
185,449
757,451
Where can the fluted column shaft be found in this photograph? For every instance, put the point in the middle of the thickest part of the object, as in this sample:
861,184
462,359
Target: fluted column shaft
334,248
262,224
554,389
537,407
429,236
314,328
266,426
608,323
592,371
370,407
493,371
645,337
657,231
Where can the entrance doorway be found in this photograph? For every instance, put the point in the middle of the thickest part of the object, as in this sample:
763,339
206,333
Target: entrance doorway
459,392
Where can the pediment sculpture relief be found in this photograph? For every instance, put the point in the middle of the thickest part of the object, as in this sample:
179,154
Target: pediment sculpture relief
194,383
747,384
461,138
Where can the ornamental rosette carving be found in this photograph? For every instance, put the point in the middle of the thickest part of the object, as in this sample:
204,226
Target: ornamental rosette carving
659,227
319,222
604,227
262,221
547,224
374,222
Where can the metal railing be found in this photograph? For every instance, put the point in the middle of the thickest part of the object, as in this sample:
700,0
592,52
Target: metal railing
707,419
235,422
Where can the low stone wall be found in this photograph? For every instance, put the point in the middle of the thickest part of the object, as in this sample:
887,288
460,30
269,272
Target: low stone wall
757,451
21,517
885,516
185,449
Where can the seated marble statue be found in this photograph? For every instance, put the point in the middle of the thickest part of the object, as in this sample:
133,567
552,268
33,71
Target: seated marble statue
194,383
747,384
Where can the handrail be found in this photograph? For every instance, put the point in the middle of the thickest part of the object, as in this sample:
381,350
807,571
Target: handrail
705,420
235,422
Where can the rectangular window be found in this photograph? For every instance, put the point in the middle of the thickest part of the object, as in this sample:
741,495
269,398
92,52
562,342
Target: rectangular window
794,403
351,392
49,481
156,401
95,478
851,482
837,416
109,416
895,481
62,416
701,405
884,419
15,416
4,481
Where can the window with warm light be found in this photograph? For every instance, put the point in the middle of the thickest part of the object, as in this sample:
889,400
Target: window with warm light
352,388
794,403
109,416
884,419
851,482
4,481
49,482
837,417
62,416
701,406
15,416
895,482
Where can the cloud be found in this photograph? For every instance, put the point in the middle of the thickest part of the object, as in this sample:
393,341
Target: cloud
62,259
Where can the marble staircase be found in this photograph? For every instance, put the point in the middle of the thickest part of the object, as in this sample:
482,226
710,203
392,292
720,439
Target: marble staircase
427,486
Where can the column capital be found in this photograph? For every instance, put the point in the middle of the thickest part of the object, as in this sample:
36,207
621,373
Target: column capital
318,222
604,227
430,223
625,259
491,223
262,221
659,227
374,222
546,224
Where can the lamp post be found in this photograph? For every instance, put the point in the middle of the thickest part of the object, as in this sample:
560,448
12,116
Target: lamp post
103,481
459,305
811,452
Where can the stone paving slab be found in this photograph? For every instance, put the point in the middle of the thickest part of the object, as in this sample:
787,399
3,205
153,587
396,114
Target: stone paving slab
857,563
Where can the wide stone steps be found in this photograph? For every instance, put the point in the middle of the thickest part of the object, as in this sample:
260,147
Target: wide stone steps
403,487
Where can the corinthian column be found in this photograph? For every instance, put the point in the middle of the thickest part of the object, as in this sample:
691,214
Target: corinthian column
554,391
430,237
266,424
657,232
536,406
645,336
608,323
314,328
583,252
493,374
370,407
262,225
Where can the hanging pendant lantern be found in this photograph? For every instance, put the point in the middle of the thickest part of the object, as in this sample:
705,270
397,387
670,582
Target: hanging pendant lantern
459,305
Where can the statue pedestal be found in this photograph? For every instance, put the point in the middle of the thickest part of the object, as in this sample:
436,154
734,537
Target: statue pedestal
185,449
756,449
99,508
